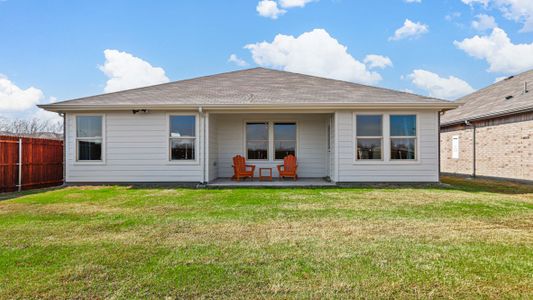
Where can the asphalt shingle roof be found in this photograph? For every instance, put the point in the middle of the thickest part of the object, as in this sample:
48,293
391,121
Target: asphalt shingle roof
494,100
252,86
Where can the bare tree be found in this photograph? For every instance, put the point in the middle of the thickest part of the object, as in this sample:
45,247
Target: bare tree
34,127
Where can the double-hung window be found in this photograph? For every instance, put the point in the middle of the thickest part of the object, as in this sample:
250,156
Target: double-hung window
369,137
89,138
284,140
403,137
182,138
270,140
257,140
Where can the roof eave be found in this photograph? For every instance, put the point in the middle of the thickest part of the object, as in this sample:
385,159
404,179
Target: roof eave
488,116
224,107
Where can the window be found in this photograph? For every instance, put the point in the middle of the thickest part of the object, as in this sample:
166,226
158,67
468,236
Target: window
403,137
182,138
284,140
257,141
369,137
455,147
89,138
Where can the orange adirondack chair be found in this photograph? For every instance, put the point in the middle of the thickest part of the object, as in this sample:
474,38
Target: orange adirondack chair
289,167
241,169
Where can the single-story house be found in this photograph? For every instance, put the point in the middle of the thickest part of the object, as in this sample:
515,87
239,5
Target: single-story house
491,133
189,130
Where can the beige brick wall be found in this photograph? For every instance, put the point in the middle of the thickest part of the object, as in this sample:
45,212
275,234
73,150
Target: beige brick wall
462,165
504,148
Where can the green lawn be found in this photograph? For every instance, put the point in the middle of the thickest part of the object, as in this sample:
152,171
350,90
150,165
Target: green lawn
473,239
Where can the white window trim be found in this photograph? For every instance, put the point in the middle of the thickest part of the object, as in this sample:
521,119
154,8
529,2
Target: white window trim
104,140
386,157
405,137
196,160
274,140
355,137
271,146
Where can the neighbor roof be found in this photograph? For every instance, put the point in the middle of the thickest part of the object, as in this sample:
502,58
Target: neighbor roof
505,97
249,88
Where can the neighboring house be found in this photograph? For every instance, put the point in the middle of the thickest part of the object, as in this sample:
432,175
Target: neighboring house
189,130
491,133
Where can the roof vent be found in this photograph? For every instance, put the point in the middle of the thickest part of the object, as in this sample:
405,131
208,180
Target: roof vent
508,97
525,88
510,77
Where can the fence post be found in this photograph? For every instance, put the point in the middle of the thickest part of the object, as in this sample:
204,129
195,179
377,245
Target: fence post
20,165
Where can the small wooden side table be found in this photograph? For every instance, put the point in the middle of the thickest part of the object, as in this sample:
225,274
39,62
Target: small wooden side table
267,176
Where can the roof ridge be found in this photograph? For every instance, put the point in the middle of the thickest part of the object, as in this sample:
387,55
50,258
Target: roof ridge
498,83
248,70
500,97
261,86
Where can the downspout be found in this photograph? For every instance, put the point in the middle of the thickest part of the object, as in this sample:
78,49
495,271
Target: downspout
204,158
438,156
336,122
64,147
468,123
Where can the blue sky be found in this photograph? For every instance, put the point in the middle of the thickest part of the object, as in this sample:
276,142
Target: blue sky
57,47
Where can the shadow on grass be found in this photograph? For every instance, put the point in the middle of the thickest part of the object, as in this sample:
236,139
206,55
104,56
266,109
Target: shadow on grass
14,195
458,183
477,185
447,183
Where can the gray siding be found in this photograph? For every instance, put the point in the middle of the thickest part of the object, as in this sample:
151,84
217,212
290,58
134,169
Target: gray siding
136,150
312,146
425,169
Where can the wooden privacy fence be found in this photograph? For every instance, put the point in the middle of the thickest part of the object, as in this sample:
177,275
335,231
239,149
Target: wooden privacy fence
28,163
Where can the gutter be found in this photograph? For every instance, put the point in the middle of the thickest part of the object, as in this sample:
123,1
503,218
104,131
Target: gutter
58,107
489,116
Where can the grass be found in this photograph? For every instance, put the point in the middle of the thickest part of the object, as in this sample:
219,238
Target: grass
473,239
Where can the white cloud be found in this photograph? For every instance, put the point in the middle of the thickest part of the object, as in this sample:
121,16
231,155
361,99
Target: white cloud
293,3
413,1
314,53
409,29
16,103
484,22
499,52
472,2
269,9
46,116
440,87
516,10
498,79
519,11
274,9
13,98
452,16
126,71
236,60
377,61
